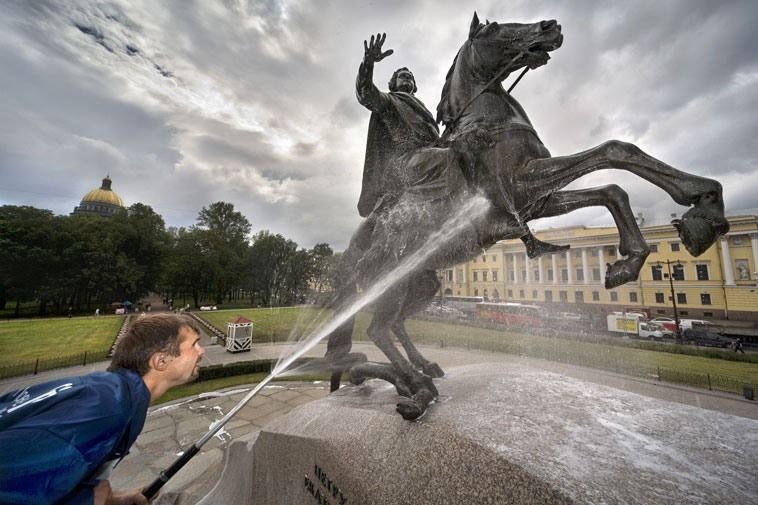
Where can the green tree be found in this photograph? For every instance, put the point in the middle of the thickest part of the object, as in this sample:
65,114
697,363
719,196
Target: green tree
321,257
189,268
225,247
27,257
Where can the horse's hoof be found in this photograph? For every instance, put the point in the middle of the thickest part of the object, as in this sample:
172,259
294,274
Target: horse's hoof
536,248
433,370
409,409
402,388
423,383
625,270
357,380
702,225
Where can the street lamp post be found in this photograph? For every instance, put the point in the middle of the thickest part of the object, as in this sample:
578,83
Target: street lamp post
673,296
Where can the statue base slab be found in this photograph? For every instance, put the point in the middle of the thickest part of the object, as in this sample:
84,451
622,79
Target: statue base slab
496,436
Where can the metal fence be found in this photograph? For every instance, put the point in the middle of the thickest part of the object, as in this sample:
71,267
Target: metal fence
32,367
607,362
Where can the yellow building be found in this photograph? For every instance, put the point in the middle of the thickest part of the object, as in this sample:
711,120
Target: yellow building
721,284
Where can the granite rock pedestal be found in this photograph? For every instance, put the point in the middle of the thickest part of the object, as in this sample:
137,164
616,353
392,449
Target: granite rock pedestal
497,435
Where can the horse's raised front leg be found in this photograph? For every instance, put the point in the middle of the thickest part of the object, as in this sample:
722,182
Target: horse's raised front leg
632,244
699,226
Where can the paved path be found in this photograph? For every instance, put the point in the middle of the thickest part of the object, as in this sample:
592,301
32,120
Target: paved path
173,427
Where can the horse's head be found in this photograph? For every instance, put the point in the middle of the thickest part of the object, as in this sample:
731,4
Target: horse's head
494,45
492,51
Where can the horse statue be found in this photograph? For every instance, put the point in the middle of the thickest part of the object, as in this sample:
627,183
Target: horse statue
494,151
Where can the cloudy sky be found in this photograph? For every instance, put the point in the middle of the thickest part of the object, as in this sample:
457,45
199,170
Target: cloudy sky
185,103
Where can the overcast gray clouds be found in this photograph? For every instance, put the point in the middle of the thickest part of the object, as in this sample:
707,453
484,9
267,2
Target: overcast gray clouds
185,103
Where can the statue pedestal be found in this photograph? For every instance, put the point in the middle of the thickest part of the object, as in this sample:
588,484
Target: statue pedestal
519,435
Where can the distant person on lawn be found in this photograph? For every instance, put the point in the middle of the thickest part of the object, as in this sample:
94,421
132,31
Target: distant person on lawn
60,440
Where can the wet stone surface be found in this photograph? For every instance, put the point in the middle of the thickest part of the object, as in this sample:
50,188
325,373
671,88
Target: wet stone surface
169,429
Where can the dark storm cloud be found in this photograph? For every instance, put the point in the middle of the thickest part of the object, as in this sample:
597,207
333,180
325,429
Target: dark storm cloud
252,102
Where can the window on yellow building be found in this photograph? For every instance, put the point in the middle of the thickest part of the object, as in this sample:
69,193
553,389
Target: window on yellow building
563,296
653,248
595,274
475,276
614,296
579,297
484,276
659,298
702,272
510,293
681,298
677,272
633,297
548,296
705,299
674,246
657,271
494,276
579,274
521,293
595,296
550,274
564,275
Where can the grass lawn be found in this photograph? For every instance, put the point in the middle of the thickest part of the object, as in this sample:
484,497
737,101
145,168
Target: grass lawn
51,338
270,325
610,353
621,356
194,388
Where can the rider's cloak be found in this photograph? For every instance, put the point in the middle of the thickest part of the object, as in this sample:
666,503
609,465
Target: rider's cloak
404,126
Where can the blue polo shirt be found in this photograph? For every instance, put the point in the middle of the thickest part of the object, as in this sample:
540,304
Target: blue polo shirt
55,437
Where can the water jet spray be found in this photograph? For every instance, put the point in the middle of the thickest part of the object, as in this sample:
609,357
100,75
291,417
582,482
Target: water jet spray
469,211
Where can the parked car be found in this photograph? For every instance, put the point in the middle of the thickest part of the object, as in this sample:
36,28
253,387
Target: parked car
706,338
666,323
694,323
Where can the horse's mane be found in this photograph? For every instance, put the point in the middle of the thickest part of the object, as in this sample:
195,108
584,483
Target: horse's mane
444,114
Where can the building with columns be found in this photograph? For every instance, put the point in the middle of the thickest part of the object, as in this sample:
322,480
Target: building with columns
720,284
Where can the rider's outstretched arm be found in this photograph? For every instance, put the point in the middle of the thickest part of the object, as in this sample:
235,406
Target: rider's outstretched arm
367,93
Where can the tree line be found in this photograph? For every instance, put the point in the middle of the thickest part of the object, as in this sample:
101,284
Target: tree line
86,261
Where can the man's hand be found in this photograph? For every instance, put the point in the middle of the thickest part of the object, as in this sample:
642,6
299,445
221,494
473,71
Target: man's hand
372,50
104,495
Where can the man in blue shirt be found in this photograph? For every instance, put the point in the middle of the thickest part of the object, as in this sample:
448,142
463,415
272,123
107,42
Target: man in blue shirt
60,440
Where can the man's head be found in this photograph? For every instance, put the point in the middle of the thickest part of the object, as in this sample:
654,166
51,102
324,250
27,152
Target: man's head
150,338
403,80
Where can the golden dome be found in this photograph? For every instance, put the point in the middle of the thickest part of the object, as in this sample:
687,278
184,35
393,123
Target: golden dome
103,194
102,201
100,195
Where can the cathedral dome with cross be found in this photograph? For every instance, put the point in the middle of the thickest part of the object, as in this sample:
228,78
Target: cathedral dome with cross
103,200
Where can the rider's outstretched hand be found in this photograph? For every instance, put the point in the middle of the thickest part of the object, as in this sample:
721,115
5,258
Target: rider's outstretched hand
372,50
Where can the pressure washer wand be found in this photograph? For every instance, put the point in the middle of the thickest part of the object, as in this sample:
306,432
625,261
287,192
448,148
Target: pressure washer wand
150,491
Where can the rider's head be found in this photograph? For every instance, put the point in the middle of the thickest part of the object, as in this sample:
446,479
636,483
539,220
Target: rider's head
403,80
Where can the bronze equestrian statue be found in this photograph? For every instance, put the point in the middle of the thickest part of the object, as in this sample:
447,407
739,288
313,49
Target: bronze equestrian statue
414,180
